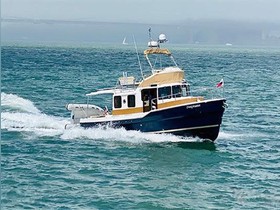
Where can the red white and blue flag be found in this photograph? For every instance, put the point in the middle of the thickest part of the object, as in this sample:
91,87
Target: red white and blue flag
220,84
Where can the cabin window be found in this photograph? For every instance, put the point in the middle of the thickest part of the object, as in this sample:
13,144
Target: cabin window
117,101
164,92
131,100
176,91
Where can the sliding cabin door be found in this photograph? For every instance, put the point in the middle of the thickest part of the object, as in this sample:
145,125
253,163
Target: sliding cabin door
149,99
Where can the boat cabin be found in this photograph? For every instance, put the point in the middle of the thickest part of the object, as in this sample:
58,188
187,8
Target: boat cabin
152,97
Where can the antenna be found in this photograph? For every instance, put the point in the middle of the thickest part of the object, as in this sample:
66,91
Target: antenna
150,35
139,62
152,43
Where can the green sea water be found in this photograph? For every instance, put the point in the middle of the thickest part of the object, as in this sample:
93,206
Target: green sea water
45,166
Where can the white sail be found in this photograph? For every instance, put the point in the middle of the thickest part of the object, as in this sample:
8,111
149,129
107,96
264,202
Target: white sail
124,41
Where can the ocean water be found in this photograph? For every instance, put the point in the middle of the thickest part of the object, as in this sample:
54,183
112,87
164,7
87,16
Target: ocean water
45,166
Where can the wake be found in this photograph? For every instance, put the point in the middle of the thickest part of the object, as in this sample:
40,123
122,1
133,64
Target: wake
21,115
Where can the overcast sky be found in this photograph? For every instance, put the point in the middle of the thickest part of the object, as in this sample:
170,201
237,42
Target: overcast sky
142,11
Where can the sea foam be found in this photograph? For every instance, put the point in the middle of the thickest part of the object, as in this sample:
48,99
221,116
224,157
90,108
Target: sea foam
18,103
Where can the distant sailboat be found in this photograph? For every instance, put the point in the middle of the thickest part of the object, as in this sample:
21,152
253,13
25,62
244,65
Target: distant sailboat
124,41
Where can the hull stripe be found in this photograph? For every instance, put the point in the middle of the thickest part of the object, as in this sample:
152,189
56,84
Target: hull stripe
184,129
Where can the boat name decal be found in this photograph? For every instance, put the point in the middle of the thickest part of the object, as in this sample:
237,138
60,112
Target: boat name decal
193,106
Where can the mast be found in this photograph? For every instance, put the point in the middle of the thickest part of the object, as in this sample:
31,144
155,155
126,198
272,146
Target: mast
139,62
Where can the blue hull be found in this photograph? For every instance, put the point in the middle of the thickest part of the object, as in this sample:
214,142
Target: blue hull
200,119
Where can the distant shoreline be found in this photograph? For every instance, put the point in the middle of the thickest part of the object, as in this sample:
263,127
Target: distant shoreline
189,32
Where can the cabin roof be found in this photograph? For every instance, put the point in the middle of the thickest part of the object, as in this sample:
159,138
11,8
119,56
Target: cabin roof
167,76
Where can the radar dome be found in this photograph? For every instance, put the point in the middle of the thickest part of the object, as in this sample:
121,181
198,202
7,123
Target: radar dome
162,38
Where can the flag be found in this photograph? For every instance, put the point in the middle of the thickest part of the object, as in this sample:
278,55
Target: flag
220,84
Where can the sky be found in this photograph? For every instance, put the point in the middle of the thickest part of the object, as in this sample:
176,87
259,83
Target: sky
142,11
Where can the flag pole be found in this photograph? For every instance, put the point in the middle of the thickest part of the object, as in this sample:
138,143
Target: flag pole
223,88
